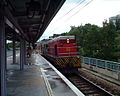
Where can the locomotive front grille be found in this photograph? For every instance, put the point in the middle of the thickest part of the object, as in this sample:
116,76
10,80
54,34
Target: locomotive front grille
68,62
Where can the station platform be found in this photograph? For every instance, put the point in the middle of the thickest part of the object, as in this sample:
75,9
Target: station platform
39,78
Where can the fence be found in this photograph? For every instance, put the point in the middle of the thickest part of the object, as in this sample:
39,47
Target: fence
109,65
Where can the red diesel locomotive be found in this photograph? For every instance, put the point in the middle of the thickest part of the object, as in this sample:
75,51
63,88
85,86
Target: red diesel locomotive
63,51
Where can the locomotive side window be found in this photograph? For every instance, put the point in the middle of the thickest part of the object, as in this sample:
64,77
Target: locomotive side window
72,41
55,50
67,41
63,41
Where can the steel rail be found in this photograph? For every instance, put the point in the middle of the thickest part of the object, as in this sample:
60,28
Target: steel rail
88,86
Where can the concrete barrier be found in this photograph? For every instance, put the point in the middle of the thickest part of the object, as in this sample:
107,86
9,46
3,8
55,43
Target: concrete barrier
106,74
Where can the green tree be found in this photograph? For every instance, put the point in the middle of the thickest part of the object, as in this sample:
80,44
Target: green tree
85,38
91,37
98,42
10,45
108,33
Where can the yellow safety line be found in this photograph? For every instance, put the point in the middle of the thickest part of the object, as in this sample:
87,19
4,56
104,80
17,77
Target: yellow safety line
49,89
25,86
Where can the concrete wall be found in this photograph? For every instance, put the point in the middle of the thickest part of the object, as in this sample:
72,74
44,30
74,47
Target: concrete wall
104,72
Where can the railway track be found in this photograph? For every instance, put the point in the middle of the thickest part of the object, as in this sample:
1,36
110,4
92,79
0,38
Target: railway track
87,87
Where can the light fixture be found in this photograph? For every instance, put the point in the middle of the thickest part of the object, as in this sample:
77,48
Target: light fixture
68,40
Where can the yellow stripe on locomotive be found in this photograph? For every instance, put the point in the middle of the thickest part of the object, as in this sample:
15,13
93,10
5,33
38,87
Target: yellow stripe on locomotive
68,62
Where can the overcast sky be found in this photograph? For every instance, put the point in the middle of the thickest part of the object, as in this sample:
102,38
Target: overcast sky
82,12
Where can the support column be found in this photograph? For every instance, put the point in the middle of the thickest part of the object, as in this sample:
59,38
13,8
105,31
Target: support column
22,54
14,52
2,56
5,54
25,53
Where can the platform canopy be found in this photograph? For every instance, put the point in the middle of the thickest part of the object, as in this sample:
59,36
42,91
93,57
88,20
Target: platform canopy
29,18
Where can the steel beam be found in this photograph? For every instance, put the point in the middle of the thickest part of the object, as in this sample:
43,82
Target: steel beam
2,55
14,23
12,19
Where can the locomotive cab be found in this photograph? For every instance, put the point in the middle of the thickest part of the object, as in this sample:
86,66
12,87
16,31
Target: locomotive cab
63,51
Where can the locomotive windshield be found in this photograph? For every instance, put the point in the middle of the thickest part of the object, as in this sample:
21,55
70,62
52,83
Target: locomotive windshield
65,41
72,41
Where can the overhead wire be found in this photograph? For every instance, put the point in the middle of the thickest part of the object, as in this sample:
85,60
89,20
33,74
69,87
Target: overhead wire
79,3
79,10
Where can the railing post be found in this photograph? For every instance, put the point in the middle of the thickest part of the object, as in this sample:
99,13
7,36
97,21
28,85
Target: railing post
81,59
89,61
105,65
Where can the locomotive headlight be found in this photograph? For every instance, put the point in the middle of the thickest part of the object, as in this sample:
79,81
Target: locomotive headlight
68,40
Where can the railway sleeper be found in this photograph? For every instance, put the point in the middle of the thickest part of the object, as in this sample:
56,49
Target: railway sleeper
92,93
100,87
83,86
81,82
86,88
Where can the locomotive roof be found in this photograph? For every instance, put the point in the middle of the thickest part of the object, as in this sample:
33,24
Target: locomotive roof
61,38
46,41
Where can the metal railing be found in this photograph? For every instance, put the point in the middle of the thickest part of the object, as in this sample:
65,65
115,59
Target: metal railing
109,65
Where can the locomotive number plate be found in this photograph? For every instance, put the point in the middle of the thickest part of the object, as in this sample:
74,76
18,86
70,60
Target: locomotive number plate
67,49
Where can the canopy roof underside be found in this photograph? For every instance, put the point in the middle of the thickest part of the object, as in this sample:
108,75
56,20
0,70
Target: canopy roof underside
29,18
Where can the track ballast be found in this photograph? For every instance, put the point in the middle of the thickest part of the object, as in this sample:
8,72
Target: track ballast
87,87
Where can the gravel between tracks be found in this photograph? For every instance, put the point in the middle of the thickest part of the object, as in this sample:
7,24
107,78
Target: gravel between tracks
108,86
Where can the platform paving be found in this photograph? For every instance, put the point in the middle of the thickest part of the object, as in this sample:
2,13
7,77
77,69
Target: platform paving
37,79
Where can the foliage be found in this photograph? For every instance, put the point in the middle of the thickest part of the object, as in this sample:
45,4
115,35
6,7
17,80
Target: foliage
85,37
10,45
99,42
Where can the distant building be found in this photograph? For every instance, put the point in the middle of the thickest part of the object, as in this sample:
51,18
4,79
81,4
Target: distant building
116,21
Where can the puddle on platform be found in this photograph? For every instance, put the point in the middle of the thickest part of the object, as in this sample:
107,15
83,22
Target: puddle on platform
58,86
49,69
